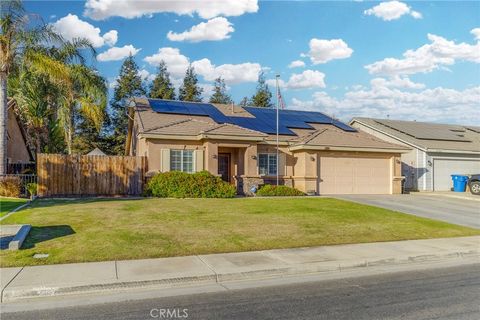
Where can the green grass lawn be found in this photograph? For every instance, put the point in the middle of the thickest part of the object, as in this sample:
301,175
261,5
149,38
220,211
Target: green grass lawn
95,230
8,204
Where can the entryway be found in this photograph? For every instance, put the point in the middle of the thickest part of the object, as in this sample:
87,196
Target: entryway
224,166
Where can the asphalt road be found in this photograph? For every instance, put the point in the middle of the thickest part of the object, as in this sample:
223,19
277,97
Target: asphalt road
448,293
464,212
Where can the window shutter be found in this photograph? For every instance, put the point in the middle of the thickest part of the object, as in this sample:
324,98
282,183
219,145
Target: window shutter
165,160
281,163
198,158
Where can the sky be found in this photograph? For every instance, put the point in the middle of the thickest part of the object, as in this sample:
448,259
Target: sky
416,60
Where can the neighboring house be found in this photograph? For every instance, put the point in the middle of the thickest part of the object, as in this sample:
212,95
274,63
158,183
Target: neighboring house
18,150
317,154
96,152
438,150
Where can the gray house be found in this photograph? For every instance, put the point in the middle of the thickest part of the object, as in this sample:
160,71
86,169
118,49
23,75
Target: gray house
438,150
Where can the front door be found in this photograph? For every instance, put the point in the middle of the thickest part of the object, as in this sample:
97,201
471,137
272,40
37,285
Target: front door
224,166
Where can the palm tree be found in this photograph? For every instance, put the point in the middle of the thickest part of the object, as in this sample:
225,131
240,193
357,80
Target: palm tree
20,41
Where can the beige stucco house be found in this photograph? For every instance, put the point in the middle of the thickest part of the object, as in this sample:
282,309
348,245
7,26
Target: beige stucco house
315,156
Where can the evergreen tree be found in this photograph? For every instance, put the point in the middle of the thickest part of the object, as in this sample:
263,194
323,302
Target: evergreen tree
243,102
220,92
129,84
161,87
190,91
263,96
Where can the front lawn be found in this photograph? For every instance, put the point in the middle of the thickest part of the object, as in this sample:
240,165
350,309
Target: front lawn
8,204
96,230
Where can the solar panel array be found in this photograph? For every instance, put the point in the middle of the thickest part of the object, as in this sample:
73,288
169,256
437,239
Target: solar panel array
264,118
426,131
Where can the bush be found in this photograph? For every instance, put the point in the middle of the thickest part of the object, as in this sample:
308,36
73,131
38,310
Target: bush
32,188
10,186
269,190
176,184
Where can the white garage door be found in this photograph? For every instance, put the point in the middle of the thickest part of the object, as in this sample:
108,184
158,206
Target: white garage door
444,168
349,175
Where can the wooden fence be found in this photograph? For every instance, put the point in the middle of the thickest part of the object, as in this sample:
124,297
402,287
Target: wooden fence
73,175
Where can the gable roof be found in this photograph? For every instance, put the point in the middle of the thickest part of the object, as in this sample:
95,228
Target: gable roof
428,136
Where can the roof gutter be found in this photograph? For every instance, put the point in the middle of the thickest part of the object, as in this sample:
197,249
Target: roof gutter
387,134
452,151
357,149
199,137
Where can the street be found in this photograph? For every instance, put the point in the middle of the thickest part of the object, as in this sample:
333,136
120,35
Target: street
446,293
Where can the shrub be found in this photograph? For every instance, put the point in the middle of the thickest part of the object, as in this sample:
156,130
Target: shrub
269,190
32,188
176,184
10,186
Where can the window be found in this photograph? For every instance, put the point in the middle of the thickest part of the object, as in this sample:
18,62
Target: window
181,160
267,164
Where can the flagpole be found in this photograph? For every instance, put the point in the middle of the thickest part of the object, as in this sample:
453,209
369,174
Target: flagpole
278,102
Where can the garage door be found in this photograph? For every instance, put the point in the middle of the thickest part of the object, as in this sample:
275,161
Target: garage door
349,175
444,168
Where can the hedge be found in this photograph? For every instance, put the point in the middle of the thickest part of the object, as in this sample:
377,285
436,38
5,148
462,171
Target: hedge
176,184
273,190
10,186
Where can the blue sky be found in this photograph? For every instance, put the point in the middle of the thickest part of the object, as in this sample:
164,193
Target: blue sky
403,60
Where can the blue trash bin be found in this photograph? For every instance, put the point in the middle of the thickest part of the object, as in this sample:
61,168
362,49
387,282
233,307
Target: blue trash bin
459,182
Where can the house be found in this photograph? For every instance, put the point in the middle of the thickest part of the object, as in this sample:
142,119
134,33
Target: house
317,154
437,150
19,153
96,152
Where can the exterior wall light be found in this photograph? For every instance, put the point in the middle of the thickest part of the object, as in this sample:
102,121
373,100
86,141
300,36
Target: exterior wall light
254,157
214,156
429,163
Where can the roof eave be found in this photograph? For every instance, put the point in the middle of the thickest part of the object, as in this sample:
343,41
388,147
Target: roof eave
344,148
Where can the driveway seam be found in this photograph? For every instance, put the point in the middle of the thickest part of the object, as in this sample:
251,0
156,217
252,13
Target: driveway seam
3,289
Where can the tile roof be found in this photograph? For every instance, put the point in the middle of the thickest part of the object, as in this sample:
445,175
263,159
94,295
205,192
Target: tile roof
429,136
327,135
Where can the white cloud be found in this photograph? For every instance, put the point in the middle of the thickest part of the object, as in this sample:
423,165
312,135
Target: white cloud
392,10
296,64
306,80
117,53
207,9
322,51
111,37
476,33
71,27
146,75
396,82
437,104
231,73
440,52
177,63
213,30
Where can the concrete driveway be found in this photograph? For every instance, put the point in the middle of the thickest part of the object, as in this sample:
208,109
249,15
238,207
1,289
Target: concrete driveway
463,211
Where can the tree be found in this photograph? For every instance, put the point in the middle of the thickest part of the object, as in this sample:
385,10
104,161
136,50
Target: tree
161,87
243,102
220,92
263,95
21,43
190,91
129,84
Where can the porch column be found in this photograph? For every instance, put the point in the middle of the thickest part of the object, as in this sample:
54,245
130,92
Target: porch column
211,157
251,161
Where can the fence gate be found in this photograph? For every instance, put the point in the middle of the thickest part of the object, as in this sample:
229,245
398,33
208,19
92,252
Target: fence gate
75,175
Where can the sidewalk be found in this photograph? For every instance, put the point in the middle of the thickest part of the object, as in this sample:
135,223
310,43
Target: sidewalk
53,280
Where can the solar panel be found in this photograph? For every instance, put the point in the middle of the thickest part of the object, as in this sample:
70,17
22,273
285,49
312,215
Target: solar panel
264,118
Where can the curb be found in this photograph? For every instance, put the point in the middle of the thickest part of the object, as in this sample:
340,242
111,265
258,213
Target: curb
16,209
12,294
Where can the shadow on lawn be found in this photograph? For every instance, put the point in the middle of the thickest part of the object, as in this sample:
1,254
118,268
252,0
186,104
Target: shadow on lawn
40,234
